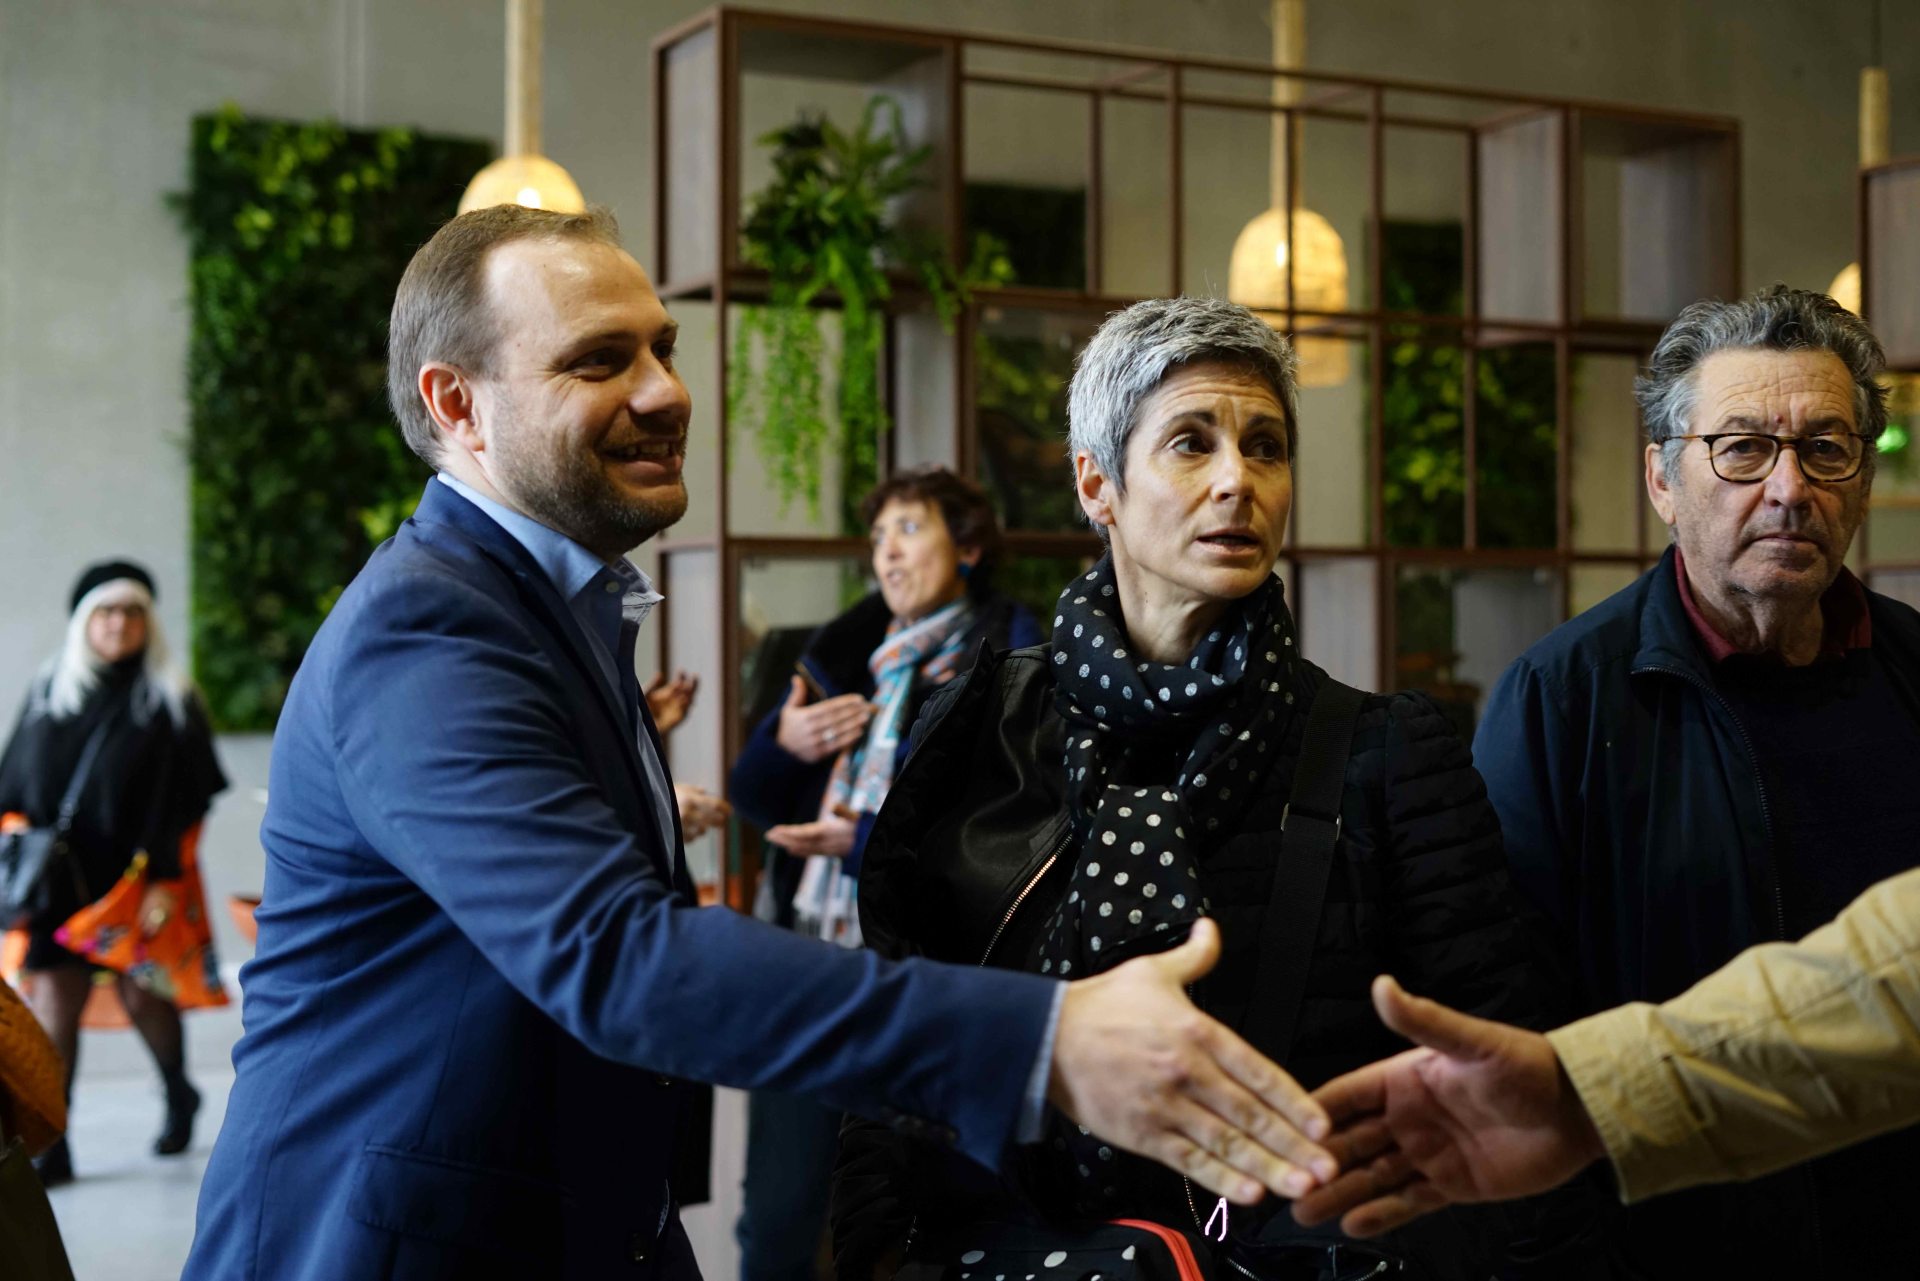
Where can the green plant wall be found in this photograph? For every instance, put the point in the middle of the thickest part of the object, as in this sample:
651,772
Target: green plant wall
298,233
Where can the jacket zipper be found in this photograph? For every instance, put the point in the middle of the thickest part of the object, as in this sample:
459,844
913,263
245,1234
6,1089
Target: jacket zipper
1052,858
1759,786
1779,905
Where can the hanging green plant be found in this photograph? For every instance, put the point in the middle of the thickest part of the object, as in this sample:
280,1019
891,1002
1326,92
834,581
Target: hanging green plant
297,233
821,229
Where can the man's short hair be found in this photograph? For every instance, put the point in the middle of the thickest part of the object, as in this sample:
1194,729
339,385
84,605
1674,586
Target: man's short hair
441,313
1775,319
1137,348
963,505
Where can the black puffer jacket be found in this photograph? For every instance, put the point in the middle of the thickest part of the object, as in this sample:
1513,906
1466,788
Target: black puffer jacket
969,857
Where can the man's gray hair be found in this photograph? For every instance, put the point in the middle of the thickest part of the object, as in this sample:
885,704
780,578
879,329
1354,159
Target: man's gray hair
1137,348
441,313
1775,319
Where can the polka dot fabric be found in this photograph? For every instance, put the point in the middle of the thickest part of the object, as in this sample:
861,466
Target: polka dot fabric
1138,872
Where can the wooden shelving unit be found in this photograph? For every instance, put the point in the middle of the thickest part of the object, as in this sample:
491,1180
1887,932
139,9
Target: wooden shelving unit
1582,227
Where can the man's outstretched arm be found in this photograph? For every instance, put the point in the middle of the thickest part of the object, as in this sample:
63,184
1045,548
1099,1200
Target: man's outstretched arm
1787,1052
486,806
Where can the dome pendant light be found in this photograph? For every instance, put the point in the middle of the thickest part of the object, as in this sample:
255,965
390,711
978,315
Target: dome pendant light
523,176
1257,272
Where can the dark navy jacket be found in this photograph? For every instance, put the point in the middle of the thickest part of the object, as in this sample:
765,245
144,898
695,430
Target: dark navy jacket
1636,817
1629,795
480,976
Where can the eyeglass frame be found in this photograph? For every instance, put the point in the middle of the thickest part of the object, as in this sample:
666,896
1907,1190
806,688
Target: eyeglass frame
1780,443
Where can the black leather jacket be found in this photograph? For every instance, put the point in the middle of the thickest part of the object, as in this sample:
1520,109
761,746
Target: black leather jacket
971,851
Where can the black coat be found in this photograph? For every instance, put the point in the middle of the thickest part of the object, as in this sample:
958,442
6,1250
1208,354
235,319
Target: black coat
1637,819
969,857
153,779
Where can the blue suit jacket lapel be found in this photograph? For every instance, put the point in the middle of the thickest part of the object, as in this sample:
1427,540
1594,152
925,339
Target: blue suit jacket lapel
441,505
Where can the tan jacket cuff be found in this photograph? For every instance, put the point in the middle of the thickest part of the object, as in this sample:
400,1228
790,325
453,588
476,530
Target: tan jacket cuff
1653,1140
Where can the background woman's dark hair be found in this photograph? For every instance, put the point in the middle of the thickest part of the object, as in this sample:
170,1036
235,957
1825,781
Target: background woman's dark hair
963,505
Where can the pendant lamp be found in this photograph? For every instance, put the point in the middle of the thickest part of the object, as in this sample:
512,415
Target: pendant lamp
1876,139
523,176
1290,235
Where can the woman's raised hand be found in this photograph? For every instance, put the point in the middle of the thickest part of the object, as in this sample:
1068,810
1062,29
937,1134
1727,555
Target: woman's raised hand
818,731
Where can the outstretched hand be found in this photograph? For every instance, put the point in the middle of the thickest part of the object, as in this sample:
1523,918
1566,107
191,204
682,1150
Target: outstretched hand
700,810
1480,1112
669,700
1137,1064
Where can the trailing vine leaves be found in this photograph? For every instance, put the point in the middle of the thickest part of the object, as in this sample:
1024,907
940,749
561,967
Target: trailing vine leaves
1423,409
822,230
297,234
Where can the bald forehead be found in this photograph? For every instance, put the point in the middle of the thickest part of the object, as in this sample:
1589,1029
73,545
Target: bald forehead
555,285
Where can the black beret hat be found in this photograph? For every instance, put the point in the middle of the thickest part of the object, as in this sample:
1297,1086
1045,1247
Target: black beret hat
108,571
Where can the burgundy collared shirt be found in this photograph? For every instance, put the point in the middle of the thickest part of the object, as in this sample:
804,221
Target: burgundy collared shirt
1847,623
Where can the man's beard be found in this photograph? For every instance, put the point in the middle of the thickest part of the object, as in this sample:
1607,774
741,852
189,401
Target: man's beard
566,489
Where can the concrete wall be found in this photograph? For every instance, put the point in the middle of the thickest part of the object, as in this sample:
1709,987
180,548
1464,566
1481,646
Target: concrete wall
95,97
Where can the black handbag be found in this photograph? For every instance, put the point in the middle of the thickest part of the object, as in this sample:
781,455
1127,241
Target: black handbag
1119,1250
30,860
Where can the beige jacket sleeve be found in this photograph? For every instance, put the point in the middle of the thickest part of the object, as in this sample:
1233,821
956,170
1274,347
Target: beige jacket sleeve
1788,1051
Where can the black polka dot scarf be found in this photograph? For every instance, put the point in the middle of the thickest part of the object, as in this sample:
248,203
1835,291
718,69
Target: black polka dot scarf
1214,721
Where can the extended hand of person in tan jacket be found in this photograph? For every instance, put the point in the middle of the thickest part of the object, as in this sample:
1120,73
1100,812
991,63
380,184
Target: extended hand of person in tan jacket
1479,1112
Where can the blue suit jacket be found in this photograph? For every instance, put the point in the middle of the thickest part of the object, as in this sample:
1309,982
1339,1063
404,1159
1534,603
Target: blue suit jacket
479,975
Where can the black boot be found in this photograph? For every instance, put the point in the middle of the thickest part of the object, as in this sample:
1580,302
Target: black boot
55,1165
183,1101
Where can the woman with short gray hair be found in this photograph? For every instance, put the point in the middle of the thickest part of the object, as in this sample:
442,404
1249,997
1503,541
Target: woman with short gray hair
1072,806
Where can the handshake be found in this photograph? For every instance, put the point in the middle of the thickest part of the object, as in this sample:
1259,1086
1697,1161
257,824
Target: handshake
1478,1112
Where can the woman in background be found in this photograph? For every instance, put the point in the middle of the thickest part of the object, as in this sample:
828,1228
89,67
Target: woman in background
815,771
151,781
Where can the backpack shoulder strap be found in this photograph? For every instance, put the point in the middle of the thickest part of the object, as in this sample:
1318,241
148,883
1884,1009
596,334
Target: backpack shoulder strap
1309,831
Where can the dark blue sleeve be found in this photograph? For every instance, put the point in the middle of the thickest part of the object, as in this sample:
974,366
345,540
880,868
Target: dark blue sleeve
769,785
1522,750
1023,629
861,832
455,745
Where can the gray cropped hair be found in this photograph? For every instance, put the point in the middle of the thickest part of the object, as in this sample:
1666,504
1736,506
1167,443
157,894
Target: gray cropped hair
1134,351
1775,319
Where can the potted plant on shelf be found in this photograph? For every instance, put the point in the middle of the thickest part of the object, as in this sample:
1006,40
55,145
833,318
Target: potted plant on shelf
823,229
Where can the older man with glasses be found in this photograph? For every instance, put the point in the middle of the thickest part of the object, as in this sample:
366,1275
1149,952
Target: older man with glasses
1723,753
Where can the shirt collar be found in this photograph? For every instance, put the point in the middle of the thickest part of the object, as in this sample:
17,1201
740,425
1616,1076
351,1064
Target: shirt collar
1846,621
572,569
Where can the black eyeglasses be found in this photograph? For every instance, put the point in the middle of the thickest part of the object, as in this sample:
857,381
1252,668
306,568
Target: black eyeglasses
1744,457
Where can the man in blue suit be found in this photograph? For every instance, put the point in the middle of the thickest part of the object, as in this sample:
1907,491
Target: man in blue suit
482,977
